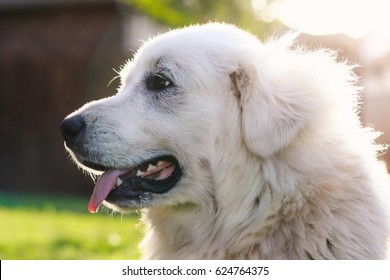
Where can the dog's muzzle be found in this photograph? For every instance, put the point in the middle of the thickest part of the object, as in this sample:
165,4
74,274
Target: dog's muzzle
116,184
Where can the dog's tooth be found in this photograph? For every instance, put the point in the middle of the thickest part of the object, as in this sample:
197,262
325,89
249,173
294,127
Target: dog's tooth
140,173
160,162
151,167
119,182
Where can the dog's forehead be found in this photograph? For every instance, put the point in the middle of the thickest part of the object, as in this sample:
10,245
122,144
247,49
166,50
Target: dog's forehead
192,42
190,47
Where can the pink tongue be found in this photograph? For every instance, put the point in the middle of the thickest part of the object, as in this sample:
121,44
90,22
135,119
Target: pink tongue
104,185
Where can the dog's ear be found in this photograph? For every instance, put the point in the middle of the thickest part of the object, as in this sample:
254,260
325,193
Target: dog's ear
272,113
268,123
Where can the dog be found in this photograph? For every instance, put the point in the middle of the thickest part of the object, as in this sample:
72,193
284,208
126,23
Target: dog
236,149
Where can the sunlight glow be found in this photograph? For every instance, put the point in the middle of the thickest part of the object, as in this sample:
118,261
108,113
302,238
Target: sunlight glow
355,18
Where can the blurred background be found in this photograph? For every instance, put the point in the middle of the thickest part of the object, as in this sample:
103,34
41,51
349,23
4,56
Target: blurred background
56,55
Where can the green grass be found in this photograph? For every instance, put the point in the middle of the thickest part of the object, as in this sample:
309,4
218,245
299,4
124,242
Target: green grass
60,228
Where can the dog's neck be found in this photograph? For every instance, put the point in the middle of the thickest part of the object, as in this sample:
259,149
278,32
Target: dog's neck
244,203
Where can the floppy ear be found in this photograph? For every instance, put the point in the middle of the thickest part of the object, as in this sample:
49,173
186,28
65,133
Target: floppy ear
273,111
286,92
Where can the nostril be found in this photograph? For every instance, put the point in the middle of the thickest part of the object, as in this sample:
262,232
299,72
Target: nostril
70,128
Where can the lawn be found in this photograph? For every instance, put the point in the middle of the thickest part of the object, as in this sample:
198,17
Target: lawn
45,227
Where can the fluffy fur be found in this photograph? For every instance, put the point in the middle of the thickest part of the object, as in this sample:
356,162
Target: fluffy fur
276,164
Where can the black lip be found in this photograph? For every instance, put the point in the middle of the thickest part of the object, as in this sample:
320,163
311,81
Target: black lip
133,187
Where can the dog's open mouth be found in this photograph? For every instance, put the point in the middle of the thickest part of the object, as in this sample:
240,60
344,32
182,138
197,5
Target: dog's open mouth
157,175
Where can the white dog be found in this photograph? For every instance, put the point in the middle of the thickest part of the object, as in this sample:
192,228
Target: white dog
236,149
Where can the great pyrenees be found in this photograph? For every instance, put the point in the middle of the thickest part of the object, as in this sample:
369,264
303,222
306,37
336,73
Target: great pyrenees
236,149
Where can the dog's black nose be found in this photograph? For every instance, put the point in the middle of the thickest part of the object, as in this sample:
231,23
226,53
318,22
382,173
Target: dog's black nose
70,128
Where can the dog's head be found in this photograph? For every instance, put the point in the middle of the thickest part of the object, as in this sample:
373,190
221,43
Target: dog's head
190,101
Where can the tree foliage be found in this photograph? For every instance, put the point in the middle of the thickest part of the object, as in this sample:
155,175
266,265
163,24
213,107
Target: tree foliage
176,13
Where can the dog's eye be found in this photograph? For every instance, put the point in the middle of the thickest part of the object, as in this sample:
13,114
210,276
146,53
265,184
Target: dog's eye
158,82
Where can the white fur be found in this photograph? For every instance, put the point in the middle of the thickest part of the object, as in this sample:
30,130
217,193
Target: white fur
276,163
